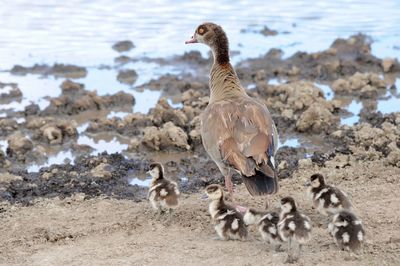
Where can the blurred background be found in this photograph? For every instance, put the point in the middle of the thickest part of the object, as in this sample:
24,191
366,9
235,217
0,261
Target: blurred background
82,32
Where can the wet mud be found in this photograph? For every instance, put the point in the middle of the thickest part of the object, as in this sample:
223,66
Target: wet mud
298,105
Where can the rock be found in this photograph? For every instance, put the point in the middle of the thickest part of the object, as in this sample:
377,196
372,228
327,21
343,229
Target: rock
47,175
127,76
18,145
387,64
359,82
316,118
167,137
122,59
394,158
70,87
339,161
7,126
102,171
282,165
59,70
8,178
86,100
268,32
134,144
9,91
32,109
163,113
68,71
305,163
53,134
123,46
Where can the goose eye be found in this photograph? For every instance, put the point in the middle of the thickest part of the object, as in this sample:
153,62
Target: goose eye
201,30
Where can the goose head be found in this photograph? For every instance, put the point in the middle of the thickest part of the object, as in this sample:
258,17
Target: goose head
213,36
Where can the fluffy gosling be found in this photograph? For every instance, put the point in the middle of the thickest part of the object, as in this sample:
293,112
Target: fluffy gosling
163,193
347,231
228,222
294,228
267,223
326,199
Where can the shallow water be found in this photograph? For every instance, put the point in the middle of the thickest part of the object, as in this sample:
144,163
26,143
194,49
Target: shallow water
81,32
77,32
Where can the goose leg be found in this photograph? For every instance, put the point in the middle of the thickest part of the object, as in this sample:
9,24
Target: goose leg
229,187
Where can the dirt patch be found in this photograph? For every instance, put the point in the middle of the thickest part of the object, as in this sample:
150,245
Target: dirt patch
75,229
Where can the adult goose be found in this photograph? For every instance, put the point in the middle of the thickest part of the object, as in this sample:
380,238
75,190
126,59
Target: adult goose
237,131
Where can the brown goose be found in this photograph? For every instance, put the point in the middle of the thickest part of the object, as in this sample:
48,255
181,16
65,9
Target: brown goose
237,131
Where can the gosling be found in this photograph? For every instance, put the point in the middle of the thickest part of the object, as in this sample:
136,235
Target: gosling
326,199
163,193
294,228
267,223
347,231
228,222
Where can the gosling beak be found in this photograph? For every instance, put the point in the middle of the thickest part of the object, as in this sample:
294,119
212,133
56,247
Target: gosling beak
204,196
307,184
192,40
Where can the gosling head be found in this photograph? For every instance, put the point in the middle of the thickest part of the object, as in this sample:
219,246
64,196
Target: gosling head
344,218
156,170
288,205
317,180
215,37
214,192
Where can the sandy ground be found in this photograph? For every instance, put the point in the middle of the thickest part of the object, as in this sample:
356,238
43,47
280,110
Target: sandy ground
106,231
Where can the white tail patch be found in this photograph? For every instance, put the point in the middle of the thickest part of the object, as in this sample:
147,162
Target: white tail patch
307,225
249,218
235,224
163,192
346,237
272,230
330,227
292,226
360,236
334,199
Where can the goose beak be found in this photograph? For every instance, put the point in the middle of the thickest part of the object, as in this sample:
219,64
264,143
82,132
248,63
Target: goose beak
192,40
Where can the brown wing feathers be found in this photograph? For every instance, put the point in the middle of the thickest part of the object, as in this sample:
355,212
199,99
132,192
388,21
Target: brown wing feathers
254,161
